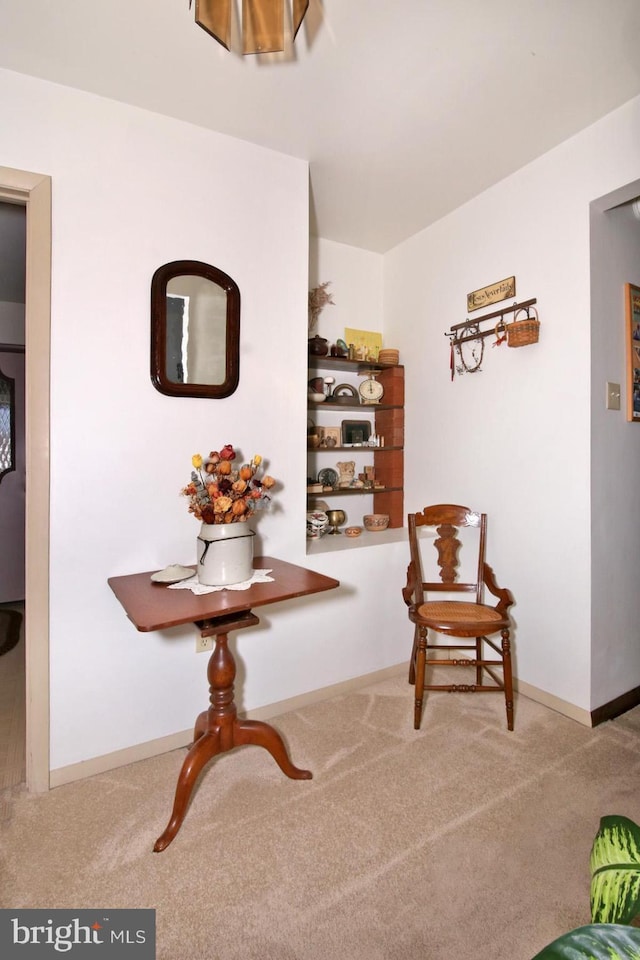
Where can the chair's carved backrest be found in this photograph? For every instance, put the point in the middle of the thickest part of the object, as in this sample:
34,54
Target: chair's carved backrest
447,545
448,519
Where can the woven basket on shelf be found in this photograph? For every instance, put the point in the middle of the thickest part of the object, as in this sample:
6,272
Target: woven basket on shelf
521,333
389,355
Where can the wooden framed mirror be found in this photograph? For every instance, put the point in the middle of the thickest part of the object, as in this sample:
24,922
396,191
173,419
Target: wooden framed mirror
195,330
7,425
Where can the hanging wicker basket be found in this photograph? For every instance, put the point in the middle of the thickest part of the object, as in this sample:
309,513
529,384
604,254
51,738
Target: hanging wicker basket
520,333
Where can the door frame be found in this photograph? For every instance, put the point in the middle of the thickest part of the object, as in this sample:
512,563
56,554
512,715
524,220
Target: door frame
33,190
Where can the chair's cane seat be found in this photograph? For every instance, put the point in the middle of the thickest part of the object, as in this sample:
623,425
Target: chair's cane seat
452,615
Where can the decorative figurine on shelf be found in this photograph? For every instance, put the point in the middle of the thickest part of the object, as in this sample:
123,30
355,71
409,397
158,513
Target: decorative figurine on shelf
346,472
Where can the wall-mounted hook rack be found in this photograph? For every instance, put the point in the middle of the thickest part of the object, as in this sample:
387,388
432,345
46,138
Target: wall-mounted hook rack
518,333
481,334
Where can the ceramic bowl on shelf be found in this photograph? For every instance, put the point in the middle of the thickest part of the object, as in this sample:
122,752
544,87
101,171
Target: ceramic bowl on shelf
353,531
375,521
316,397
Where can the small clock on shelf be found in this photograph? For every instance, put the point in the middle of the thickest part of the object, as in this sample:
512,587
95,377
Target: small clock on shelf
371,390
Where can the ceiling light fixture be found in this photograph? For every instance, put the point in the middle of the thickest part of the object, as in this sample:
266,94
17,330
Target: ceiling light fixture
262,22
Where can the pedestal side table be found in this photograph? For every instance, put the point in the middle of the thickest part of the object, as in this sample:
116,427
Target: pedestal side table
152,606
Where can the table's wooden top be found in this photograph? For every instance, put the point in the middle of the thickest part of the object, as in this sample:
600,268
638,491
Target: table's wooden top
152,606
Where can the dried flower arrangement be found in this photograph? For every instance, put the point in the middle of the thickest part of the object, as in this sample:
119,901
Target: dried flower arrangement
218,493
318,300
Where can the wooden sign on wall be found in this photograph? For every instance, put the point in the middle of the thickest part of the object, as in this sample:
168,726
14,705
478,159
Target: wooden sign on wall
502,290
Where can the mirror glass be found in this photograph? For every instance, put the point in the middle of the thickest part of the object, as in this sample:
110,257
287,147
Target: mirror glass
195,330
7,425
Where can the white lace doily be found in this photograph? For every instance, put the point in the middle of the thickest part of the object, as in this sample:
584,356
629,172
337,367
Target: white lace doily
193,584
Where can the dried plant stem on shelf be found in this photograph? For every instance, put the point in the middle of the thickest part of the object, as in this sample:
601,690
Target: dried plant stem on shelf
318,300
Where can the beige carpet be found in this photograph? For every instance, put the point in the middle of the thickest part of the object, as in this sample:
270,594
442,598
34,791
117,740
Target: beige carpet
459,840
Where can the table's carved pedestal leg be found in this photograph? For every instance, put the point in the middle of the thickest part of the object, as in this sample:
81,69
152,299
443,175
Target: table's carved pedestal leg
218,729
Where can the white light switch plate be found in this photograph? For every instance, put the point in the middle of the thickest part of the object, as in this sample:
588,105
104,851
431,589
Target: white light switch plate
613,396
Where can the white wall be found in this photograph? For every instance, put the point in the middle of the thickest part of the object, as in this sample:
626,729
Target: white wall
132,190
514,439
615,457
356,278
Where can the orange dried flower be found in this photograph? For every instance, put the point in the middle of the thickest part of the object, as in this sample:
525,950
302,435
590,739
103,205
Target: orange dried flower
220,493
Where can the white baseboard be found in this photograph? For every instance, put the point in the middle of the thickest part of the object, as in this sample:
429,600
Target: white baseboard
554,703
153,748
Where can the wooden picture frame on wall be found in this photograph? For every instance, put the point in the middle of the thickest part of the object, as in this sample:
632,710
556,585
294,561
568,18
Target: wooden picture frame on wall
632,316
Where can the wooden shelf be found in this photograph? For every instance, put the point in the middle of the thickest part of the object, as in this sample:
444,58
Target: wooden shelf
354,366
369,407
387,420
353,492
363,448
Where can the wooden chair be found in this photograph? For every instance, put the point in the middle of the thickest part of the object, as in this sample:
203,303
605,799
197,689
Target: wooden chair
453,618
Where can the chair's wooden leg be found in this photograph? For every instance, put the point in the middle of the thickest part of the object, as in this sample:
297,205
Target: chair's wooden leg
508,680
412,661
478,659
421,656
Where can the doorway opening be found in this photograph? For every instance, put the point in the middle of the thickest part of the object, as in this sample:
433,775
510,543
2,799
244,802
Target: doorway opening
33,190
12,497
